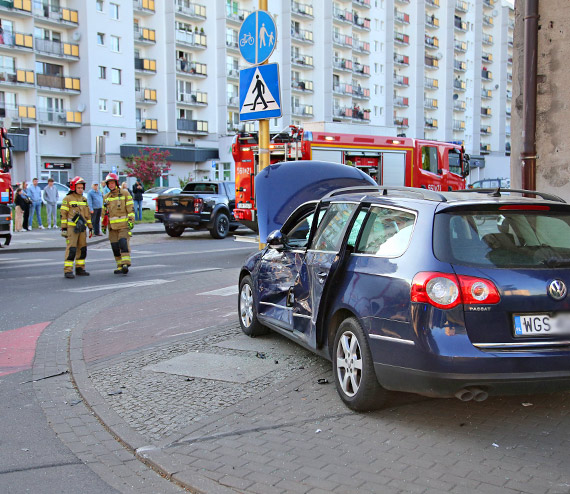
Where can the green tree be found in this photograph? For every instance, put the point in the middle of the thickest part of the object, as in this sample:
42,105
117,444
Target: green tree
149,165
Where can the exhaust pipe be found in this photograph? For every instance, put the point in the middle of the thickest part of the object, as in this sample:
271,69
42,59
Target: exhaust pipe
468,394
479,394
464,395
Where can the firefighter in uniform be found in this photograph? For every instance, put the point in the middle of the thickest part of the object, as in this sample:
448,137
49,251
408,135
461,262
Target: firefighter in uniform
119,218
75,220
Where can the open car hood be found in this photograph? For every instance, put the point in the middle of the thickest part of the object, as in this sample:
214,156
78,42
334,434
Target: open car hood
282,187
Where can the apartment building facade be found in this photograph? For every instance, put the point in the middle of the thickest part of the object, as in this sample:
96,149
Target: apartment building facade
150,73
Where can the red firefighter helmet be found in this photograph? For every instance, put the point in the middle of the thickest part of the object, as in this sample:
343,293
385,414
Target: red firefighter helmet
112,176
75,181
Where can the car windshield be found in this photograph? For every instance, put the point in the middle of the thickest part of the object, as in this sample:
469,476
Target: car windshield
513,239
156,190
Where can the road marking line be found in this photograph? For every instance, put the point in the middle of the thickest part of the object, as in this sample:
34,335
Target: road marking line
116,286
2,261
223,292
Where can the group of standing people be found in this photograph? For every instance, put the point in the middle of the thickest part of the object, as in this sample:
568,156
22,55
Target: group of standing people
29,200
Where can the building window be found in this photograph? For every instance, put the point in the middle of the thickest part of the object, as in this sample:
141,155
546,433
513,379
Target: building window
99,5
100,39
102,105
102,72
117,108
115,46
123,135
116,76
114,11
62,133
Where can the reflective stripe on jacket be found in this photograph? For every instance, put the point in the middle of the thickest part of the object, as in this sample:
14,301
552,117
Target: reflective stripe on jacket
119,206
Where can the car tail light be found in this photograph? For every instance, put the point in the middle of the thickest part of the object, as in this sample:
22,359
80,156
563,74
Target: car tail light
156,206
198,204
445,291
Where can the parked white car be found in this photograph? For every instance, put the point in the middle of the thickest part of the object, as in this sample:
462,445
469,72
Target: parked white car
62,189
151,194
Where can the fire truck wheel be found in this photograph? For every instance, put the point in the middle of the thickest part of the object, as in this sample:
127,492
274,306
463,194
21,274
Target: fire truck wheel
221,226
174,231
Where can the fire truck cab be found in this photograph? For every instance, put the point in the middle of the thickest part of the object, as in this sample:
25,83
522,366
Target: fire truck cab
6,194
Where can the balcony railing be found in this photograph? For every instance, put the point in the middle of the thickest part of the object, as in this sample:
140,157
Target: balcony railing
17,6
486,93
238,16
302,35
304,60
362,69
460,25
145,65
58,82
198,98
430,123
431,62
54,13
486,111
232,42
148,125
460,65
301,8
232,71
192,68
358,114
361,23
17,77
431,83
401,122
401,102
342,89
400,59
400,80
59,118
21,112
459,106
68,50
342,64
304,85
146,95
17,40
461,6
362,3
342,39
401,17
460,46
401,38
487,39
360,92
342,15
487,20
144,6
459,85
431,41
484,148
144,35
232,101
302,110
192,126
430,103
487,75
191,9
487,57
342,111
193,39
485,130
458,125
432,21
361,46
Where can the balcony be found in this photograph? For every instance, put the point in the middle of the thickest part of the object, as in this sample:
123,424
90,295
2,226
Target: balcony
232,71
237,17
508,130
459,66
55,15
484,148
147,126
458,126
487,21
145,96
460,46
401,122
459,24
232,43
487,39
401,17
303,85
190,10
18,8
360,23
401,81
63,118
194,98
232,101
486,75
486,112
432,21
302,10
17,41
431,42
486,130
342,40
145,65
402,60
459,85
459,105
359,92
431,83
362,3
144,36
302,110
431,62
17,77
430,104
361,70
22,113
192,39
302,35
360,115
487,57
401,102
432,3
193,69
486,93
361,46
509,95
343,16
430,124
303,61
342,64
342,89
342,112
488,3
401,39
461,6
145,7
69,51
403,2
186,126
60,83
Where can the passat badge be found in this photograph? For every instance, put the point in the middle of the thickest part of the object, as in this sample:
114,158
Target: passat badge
557,289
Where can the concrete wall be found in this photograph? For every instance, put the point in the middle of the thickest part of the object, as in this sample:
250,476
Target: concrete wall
553,132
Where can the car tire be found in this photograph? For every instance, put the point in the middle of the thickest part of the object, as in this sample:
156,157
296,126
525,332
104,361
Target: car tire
246,310
221,226
353,368
174,231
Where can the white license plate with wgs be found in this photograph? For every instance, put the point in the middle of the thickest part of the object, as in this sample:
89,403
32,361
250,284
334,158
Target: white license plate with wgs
176,217
542,325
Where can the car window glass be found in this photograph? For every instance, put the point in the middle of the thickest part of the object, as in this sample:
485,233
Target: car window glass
387,232
429,159
61,188
330,232
356,228
454,161
156,190
298,235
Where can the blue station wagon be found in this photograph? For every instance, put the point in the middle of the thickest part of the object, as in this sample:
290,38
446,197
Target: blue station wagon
442,294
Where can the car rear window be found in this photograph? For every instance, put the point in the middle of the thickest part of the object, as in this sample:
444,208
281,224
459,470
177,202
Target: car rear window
517,239
156,190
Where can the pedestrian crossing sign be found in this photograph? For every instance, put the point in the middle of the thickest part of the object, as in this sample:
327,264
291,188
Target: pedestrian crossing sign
259,93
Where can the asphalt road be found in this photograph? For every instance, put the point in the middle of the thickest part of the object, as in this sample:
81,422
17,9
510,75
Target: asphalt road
35,293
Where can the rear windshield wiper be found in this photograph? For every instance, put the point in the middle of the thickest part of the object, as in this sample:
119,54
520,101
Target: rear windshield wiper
556,262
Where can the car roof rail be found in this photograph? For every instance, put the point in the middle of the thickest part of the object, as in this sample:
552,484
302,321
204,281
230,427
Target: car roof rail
496,192
430,195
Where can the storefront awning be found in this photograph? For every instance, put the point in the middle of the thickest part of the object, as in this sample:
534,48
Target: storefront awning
186,154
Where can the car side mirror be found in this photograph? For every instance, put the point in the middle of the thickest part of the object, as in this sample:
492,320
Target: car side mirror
275,240
466,169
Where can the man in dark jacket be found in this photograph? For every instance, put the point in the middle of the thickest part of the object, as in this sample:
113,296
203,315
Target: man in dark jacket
138,190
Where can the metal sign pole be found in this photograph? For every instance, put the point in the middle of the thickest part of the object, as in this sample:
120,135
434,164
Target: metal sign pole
263,124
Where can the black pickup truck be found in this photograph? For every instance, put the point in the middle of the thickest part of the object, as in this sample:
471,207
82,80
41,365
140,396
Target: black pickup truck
200,205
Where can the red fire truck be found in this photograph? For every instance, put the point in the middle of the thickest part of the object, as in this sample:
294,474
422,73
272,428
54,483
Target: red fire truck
389,160
6,195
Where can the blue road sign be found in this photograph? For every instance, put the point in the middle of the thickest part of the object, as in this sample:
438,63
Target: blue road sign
257,37
259,92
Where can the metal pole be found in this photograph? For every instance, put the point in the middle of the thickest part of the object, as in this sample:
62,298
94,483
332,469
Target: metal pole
528,154
263,124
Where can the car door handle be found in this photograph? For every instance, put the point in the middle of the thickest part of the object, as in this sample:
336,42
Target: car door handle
322,276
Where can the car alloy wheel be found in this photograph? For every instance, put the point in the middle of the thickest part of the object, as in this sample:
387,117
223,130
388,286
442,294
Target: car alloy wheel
349,363
246,305
246,309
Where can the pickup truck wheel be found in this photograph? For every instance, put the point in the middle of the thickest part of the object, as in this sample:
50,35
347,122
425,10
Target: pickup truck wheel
246,310
221,226
174,231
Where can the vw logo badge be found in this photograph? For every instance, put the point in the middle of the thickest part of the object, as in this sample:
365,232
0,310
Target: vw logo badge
557,289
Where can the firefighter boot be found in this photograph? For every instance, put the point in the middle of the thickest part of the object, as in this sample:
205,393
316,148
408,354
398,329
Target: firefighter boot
69,275
125,269
81,272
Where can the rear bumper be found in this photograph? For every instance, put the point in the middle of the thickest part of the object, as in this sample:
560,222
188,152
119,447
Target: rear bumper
183,219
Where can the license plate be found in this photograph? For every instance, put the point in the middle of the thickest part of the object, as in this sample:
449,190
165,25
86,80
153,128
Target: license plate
176,217
542,325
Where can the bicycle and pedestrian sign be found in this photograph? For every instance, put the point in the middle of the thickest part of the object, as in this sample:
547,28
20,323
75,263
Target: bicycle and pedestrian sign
259,95
257,37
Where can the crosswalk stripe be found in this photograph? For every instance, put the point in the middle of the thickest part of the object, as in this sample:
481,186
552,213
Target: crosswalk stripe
223,292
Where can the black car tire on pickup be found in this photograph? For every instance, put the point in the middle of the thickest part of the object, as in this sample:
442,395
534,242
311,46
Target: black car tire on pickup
221,226
174,231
